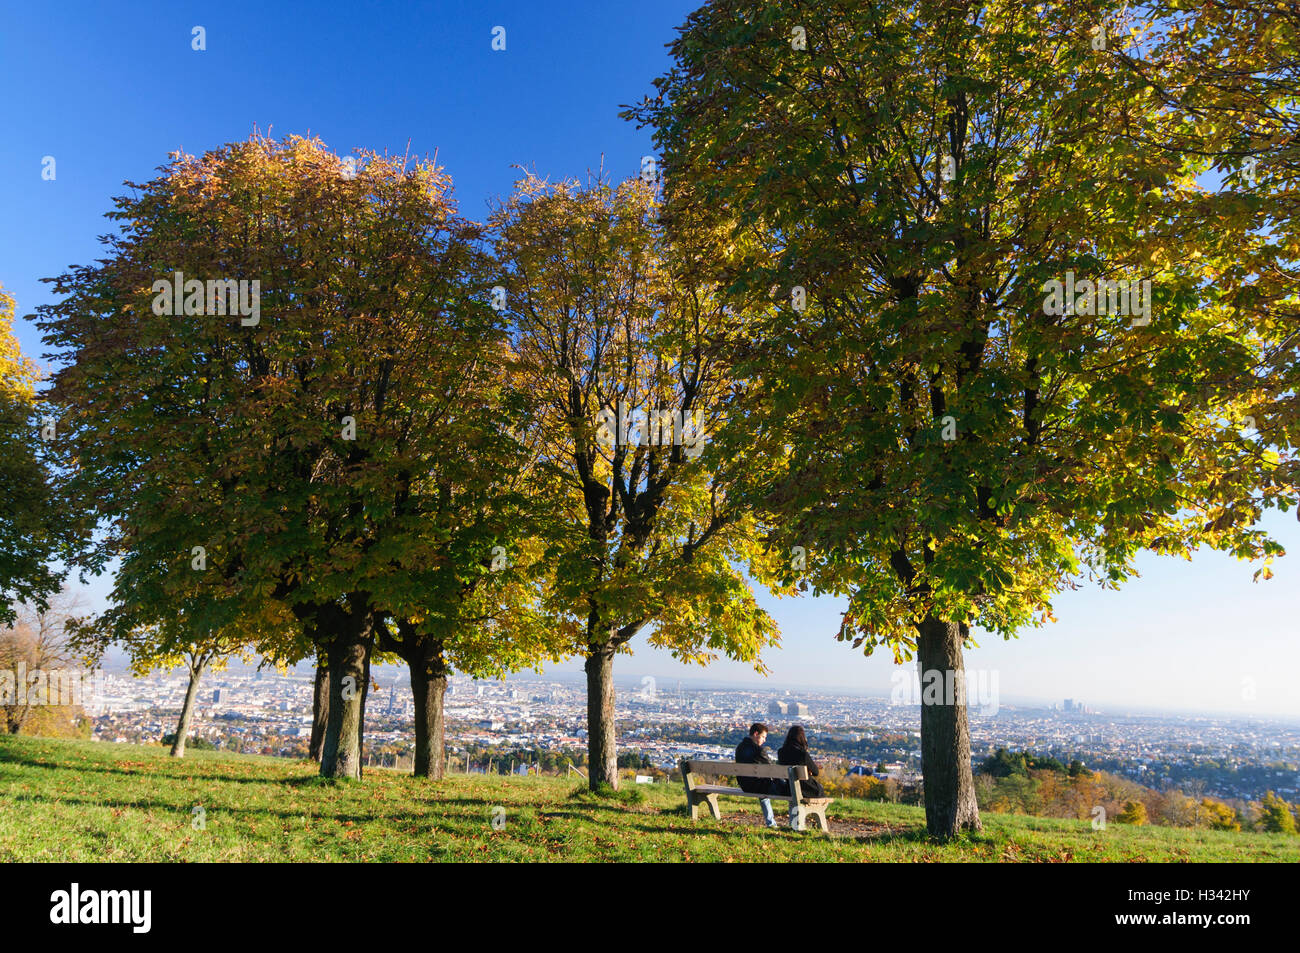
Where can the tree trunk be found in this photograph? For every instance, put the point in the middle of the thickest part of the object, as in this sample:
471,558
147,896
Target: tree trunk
602,756
429,685
187,709
347,655
320,706
949,786
16,715
361,718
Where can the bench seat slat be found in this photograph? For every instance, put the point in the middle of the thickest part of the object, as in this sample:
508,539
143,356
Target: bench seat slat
733,792
737,792
734,769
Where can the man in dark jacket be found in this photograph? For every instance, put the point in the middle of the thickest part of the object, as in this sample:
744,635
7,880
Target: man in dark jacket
750,751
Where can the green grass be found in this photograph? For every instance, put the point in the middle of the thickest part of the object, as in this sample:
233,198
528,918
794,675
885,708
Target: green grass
95,801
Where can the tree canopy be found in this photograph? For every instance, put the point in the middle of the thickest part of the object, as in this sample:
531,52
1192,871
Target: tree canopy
908,191
32,522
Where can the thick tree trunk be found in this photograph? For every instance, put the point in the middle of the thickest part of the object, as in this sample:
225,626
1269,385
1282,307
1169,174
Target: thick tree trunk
949,786
320,707
348,655
602,757
429,685
187,710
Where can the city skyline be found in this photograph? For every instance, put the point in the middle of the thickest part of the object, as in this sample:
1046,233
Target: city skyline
269,713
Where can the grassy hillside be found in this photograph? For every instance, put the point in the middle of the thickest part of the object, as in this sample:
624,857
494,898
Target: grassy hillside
95,801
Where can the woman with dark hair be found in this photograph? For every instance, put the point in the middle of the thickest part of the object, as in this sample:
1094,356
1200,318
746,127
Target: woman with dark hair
795,751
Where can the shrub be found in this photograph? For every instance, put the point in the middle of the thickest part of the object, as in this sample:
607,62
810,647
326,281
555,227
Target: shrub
1218,816
1135,813
1275,815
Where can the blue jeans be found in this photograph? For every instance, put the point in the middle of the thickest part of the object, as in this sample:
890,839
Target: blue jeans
768,817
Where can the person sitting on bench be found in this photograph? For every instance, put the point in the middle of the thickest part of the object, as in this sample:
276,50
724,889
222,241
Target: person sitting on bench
795,752
750,751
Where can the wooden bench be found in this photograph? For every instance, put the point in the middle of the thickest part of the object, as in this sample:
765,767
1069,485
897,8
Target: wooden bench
801,808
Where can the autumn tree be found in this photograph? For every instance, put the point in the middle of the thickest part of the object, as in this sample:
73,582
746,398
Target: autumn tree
1275,815
910,193
613,334
30,517
274,345
1219,816
1135,813
42,688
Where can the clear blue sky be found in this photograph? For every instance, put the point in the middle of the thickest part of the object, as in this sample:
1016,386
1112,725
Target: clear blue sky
109,90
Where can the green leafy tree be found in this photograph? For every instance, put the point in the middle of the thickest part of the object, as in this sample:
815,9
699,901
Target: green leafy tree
1003,764
186,638
906,197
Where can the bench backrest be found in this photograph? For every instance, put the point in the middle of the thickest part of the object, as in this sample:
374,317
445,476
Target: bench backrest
735,769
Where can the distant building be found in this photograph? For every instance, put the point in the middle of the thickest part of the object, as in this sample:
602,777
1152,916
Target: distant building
216,696
787,708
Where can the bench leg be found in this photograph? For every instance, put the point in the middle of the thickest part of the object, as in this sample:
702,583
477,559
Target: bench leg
796,816
713,806
820,817
694,804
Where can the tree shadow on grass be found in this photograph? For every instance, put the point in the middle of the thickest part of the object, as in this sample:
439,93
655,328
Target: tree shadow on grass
188,804
577,807
159,768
